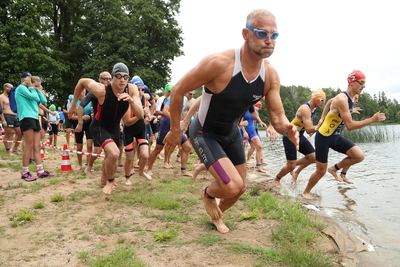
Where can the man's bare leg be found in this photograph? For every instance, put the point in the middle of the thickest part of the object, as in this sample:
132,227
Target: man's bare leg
197,169
238,175
144,155
18,138
184,158
343,175
333,170
314,179
210,204
110,166
277,182
92,159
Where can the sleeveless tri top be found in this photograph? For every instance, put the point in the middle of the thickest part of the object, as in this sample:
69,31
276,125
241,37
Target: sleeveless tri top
109,113
220,113
333,123
299,124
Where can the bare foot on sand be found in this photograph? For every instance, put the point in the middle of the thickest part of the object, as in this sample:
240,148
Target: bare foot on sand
146,175
150,172
332,170
167,165
307,195
88,170
221,227
211,207
103,179
185,173
344,178
260,169
277,182
197,169
108,188
128,181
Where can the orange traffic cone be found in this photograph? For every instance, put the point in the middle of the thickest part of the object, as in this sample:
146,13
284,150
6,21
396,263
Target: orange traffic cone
42,155
65,161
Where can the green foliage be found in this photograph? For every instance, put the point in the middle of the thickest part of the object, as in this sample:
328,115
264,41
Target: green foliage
294,96
121,256
371,134
166,235
62,41
57,198
20,217
38,205
291,237
209,239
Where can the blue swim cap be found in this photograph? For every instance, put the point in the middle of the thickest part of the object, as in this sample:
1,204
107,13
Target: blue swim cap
70,97
137,81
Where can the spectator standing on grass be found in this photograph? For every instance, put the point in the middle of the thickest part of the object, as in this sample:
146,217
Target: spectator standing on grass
28,95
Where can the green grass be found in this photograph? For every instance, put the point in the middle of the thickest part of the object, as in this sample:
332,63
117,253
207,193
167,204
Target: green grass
120,257
16,186
292,236
20,217
209,239
38,205
111,226
57,198
166,235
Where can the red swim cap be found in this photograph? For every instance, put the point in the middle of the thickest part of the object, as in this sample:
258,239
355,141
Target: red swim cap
258,104
355,75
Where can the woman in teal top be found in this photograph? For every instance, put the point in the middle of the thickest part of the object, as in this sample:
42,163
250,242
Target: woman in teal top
28,96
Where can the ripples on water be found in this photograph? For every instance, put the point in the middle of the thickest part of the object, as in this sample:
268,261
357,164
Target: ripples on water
369,209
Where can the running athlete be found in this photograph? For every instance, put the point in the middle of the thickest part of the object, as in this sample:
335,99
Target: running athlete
303,120
113,102
135,131
328,135
104,78
233,81
251,134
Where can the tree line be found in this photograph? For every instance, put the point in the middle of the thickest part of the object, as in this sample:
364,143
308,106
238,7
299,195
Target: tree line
294,96
63,41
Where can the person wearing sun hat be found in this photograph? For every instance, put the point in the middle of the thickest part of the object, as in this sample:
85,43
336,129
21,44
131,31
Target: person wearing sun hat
328,135
303,120
54,121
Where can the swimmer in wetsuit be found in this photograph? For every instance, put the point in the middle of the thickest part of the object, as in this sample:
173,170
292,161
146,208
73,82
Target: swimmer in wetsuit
303,121
233,80
113,102
328,135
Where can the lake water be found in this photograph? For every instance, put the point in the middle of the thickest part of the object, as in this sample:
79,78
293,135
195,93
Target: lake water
369,209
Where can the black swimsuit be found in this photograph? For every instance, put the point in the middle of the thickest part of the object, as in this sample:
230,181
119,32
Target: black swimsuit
105,126
214,132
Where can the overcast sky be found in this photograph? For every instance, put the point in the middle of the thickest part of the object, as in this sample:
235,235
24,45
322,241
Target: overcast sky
319,44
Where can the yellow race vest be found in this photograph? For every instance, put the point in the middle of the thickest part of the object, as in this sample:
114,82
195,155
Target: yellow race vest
332,124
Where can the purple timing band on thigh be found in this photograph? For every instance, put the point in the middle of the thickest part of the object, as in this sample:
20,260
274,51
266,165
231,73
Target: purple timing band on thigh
221,173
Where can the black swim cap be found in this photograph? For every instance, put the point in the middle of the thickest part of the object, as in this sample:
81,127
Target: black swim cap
120,67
